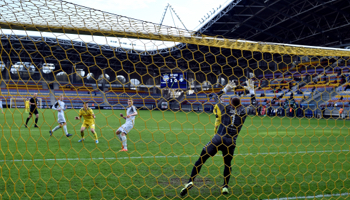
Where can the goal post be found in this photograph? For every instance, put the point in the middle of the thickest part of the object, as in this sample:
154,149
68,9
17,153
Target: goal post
17,102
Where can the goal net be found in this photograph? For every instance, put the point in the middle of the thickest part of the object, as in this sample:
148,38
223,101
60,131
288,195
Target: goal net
294,142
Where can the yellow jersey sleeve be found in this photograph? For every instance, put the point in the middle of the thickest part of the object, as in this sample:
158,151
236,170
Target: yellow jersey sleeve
215,109
218,112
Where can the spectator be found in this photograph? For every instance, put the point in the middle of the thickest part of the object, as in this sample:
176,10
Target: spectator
270,111
290,85
300,111
347,87
313,89
262,95
342,80
273,101
259,110
280,97
263,111
341,113
341,98
323,110
325,78
291,111
253,100
308,77
291,95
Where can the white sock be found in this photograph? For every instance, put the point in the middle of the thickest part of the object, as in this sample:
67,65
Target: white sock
124,142
54,129
120,137
65,129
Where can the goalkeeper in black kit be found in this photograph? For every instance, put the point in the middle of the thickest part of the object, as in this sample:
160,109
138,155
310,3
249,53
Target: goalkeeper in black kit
232,120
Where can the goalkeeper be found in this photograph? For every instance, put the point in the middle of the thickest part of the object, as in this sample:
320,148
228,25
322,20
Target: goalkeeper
232,120
217,113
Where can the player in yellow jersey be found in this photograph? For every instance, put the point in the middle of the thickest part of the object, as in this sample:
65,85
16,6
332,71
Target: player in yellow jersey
217,113
89,121
26,105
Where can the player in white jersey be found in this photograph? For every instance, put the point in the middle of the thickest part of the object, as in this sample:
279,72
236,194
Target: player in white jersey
122,131
60,107
1,107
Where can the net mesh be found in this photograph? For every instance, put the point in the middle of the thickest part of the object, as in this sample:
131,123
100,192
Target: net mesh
294,143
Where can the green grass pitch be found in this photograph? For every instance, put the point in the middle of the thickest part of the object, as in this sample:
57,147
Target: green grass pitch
275,157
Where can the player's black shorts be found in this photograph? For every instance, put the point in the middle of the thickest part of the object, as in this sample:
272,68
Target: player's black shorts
219,143
34,111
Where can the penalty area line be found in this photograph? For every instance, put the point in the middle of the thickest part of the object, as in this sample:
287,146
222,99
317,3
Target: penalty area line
154,157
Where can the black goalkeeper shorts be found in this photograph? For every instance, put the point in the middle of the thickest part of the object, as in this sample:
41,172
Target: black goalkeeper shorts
219,143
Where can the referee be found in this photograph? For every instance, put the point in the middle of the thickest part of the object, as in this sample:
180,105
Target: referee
233,117
33,110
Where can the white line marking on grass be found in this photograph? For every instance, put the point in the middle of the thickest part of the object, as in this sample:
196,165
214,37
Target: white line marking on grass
148,157
313,197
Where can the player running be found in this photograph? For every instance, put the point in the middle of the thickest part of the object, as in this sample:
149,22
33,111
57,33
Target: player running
60,107
89,121
131,112
33,110
232,120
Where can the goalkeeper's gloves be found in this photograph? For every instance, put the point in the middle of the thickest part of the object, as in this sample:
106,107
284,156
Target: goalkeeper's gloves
250,86
229,87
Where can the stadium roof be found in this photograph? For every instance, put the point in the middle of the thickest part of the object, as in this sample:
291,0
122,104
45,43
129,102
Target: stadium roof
306,22
311,22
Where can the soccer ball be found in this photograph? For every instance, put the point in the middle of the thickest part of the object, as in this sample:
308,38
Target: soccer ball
336,105
121,78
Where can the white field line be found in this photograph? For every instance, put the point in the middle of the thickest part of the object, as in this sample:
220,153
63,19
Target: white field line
162,129
154,157
314,197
